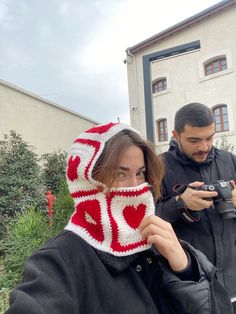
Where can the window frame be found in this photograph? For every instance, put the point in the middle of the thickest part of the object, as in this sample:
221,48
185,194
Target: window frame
162,130
221,115
219,62
163,84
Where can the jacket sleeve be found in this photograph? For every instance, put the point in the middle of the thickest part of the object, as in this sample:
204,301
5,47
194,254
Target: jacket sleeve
46,287
166,208
197,297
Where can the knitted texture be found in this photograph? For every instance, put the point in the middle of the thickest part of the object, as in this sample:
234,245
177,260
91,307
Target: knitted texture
107,221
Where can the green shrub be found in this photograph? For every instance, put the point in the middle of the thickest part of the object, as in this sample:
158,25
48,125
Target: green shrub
53,170
224,144
63,209
20,182
28,231
25,233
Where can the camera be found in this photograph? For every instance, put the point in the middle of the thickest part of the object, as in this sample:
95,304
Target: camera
223,201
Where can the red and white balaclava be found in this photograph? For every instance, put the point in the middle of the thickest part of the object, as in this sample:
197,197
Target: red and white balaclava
107,221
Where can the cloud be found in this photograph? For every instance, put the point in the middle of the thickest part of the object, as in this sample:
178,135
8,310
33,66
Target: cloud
3,10
72,51
64,9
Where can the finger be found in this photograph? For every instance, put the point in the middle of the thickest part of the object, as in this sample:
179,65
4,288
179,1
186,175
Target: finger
155,220
205,194
161,244
206,203
196,184
232,183
156,230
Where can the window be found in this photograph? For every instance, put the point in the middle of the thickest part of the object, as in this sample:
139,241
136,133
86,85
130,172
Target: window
216,65
159,85
221,117
162,130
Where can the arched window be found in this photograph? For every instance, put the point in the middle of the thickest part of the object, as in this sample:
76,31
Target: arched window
216,65
162,130
159,85
221,117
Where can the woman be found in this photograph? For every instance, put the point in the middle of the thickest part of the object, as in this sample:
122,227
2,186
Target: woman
116,256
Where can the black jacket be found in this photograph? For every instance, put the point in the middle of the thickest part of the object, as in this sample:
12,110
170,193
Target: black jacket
213,235
69,276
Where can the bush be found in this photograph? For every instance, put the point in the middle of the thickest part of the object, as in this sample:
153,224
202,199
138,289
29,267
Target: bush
28,231
25,233
63,209
20,185
53,170
224,144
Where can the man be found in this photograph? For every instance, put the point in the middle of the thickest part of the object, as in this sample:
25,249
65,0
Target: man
191,162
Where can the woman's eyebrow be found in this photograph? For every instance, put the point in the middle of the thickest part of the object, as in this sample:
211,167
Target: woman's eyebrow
127,169
123,168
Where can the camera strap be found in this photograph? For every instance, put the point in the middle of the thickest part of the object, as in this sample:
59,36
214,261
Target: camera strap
185,213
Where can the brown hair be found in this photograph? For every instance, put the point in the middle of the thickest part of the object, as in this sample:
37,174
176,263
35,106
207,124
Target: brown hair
105,168
195,115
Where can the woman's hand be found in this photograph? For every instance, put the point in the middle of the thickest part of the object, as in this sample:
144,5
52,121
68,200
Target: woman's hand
161,234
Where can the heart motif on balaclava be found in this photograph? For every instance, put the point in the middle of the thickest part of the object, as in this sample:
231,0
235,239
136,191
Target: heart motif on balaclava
88,216
134,215
108,222
72,168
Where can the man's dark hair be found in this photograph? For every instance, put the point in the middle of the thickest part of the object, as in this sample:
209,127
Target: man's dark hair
193,114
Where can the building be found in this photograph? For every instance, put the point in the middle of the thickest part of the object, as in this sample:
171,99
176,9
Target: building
192,61
42,123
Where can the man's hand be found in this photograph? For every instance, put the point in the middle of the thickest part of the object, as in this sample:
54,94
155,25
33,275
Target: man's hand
197,200
161,234
233,192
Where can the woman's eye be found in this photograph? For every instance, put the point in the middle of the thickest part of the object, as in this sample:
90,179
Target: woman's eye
141,174
120,175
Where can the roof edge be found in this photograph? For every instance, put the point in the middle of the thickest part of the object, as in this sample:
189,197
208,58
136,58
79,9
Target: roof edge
51,103
176,27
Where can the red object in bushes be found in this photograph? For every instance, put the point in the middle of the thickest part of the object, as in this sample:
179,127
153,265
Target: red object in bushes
51,198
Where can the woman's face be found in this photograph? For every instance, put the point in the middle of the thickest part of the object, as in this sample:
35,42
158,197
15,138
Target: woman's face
131,169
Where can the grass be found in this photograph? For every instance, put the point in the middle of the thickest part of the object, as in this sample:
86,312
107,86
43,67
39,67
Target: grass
4,292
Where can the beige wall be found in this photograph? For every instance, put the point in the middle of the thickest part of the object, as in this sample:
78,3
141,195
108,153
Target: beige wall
185,75
44,125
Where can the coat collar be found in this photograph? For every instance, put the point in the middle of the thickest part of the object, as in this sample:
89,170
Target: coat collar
184,160
118,264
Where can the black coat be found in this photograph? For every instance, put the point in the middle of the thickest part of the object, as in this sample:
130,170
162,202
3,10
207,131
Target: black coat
69,276
213,235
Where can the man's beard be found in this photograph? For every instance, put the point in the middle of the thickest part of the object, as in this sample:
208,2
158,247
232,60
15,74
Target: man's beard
191,157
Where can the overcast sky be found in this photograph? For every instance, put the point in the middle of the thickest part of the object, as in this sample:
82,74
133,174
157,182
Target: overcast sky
71,51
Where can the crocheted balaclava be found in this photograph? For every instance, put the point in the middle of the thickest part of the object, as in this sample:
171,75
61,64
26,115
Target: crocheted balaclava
107,221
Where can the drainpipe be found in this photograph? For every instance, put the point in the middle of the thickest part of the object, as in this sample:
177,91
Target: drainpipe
130,59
